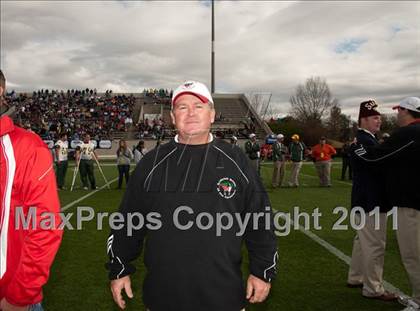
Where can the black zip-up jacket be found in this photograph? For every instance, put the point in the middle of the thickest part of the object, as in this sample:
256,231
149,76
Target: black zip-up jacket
194,270
399,157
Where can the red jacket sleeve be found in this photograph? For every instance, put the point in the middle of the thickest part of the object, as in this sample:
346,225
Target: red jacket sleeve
40,245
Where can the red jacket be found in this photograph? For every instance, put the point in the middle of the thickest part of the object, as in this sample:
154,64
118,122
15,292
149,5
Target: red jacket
27,180
323,153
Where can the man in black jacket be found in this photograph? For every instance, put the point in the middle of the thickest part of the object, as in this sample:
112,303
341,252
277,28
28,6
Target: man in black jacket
346,165
190,268
252,149
400,156
367,262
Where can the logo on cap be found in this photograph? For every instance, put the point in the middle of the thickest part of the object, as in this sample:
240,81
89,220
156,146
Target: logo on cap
188,85
370,105
226,187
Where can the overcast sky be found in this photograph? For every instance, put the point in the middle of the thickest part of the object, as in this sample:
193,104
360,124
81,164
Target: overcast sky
362,49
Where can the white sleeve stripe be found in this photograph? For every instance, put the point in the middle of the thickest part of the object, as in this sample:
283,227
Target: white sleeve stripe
387,155
155,166
46,172
123,268
276,256
9,156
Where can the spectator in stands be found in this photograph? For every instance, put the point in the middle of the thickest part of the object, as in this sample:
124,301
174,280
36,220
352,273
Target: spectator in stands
124,157
252,149
322,153
297,151
139,151
51,113
279,161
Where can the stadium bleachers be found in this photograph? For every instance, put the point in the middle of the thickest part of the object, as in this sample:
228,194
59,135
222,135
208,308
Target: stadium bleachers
104,115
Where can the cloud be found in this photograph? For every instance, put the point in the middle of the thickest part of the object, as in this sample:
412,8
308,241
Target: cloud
363,49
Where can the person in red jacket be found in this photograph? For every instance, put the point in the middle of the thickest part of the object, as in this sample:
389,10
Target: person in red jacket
27,188
321,154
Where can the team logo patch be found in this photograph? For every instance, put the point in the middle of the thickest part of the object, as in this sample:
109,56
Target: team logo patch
226,187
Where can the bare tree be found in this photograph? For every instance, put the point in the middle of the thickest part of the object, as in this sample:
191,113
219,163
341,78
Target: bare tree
311,100
338,124
389,123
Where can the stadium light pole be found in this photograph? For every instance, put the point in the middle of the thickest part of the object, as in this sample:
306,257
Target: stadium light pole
212,46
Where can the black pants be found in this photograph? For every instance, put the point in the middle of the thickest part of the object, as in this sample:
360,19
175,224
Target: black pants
346,165
123,170
86,171
61,173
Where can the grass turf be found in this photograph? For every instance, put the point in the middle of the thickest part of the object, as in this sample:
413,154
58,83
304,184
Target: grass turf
309,277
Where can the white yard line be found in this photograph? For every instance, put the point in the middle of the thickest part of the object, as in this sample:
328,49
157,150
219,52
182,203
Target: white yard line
87,195
332,249
104,164
90,194
336,252
332,180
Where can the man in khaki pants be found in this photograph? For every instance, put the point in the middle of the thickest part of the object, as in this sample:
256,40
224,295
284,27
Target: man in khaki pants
367,262
322,154
279,161
399,158
297,154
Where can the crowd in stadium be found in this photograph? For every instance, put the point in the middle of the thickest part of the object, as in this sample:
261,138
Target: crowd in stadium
157,96
155,129
75,112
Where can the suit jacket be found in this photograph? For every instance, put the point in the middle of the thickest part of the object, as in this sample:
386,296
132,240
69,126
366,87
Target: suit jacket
368,182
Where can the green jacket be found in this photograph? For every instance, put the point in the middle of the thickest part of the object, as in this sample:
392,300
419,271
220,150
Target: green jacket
279,151
297,151
252,150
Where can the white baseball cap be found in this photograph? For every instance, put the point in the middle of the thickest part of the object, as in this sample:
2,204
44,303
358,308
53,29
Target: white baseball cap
252,135
195,88
280,136
410,103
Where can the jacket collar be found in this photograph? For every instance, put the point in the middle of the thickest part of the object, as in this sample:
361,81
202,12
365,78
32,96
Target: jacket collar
368,132
6,125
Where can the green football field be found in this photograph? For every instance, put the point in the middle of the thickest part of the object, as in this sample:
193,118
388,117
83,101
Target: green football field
312,267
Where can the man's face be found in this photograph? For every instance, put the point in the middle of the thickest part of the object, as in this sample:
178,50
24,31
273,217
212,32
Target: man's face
322,141
87,139
372,124
402,116
192,117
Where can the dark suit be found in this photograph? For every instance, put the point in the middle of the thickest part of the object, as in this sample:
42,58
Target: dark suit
368,182
366,266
